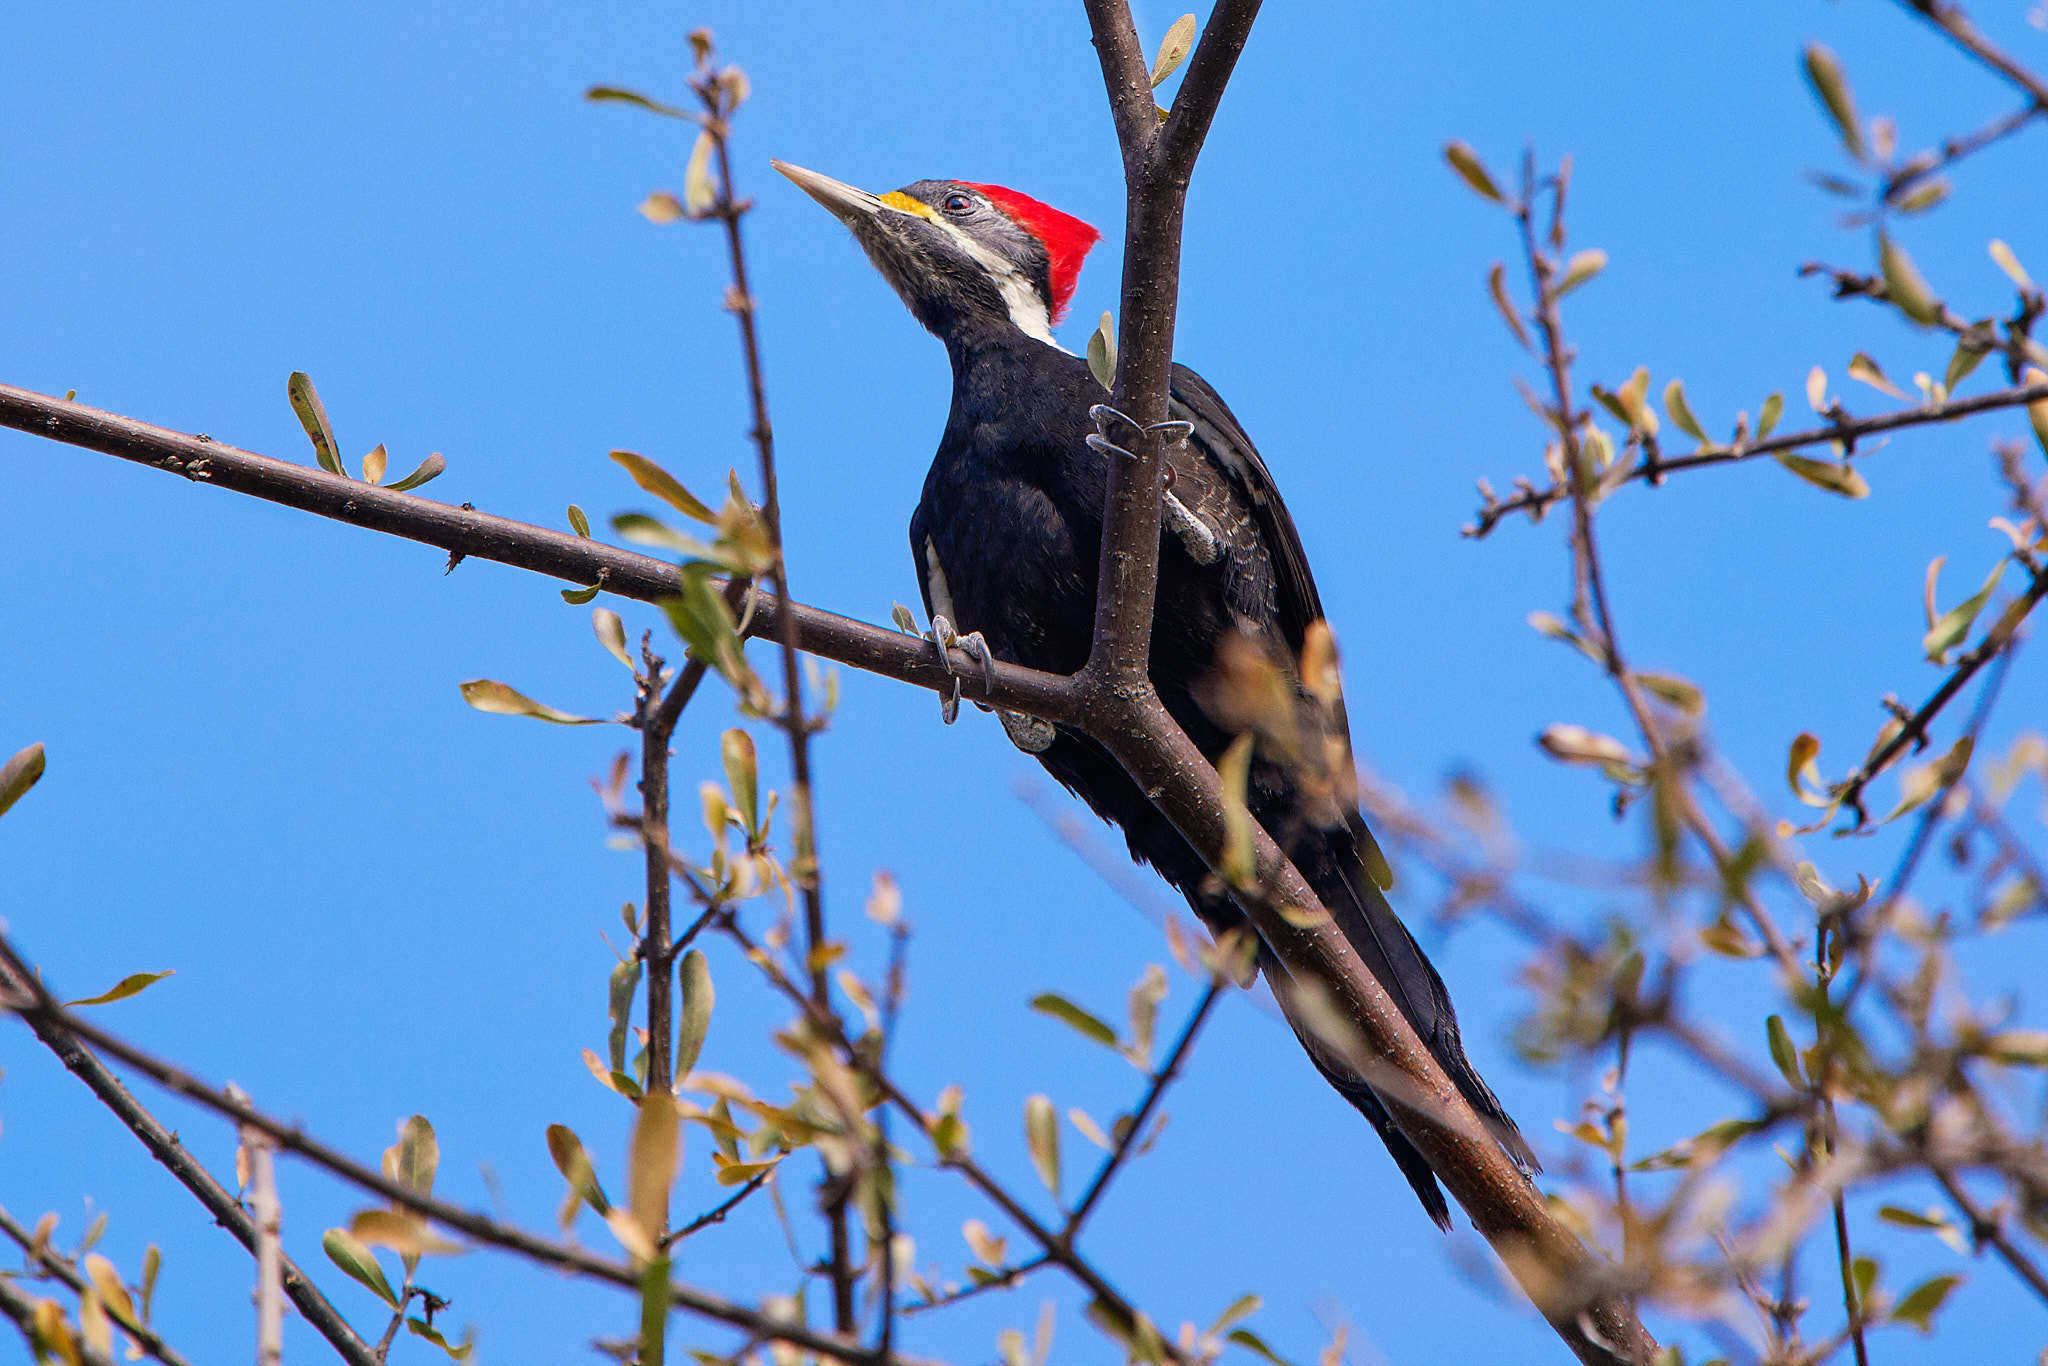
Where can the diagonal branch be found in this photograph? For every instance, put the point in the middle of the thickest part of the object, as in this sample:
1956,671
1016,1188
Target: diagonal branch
1847,432
23,993
1951,20
540,550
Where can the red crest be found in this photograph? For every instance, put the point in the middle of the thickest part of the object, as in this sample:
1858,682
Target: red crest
1066,238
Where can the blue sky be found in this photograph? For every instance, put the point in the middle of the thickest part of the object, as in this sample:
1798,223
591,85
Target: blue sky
378,901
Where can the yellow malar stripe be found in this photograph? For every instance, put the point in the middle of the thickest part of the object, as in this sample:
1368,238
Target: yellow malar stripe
896,199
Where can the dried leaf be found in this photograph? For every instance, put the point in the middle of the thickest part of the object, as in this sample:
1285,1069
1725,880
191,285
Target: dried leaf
611,633
1497,286
736,750
651,1167
1237,865
373,464
661,207
133,984
700,189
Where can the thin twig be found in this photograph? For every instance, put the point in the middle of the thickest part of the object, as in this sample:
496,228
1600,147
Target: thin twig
21,1310
541,550
1155,1088
1951,20
1954,149
61,1268
1988,1231
1846,432
1002,1278
1054,1244
65,1035
30,999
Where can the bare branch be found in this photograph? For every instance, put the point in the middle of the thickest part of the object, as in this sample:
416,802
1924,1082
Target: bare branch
1951,20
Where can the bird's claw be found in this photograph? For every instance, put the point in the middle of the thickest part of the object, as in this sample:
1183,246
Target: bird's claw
1028,733
1106,417
974,645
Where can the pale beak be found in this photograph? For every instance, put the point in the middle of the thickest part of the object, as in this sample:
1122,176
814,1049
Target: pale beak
848,203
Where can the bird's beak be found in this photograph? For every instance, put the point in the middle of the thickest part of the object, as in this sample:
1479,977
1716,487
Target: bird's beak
849,204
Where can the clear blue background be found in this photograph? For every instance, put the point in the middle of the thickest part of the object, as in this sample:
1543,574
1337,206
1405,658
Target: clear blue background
378,901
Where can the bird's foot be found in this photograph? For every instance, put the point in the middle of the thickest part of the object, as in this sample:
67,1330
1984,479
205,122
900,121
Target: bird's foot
1201,541
973,645
1108,420
1204,546
1028,733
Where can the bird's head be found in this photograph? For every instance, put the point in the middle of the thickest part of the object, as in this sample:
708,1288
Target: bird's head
972,261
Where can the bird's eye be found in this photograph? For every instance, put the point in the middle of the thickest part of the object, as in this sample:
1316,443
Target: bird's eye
958,203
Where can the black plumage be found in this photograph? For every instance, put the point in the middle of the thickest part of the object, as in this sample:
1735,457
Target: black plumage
1006,539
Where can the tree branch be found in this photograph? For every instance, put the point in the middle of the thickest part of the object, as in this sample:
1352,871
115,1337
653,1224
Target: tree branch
1951,20
27,997
1847,432
560,555
62,1269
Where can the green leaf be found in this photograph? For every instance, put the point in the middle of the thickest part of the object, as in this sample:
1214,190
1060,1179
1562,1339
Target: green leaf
429,470
598,94
19,774
1145,999
1102,353
705,623
578,522
305,401
1784,1054
623,981
1905,1218
133,984
1042,1136
693,1020
736,749
1472,171
574,1164
576,597
1904,285
655,480
1251,1342
1827,474
1767,418
1949,631
489,695
611,633
1582,267
1242,1307
641,529
1681,411
1060,1008
1825,74
358,1263
1173,49
1965,360
1920,1304
420,1328
1921,782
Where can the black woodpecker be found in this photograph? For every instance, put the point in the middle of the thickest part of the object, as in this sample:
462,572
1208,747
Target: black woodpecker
1006,540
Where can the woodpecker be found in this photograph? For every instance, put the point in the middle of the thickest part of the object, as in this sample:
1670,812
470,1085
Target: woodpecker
1006,539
